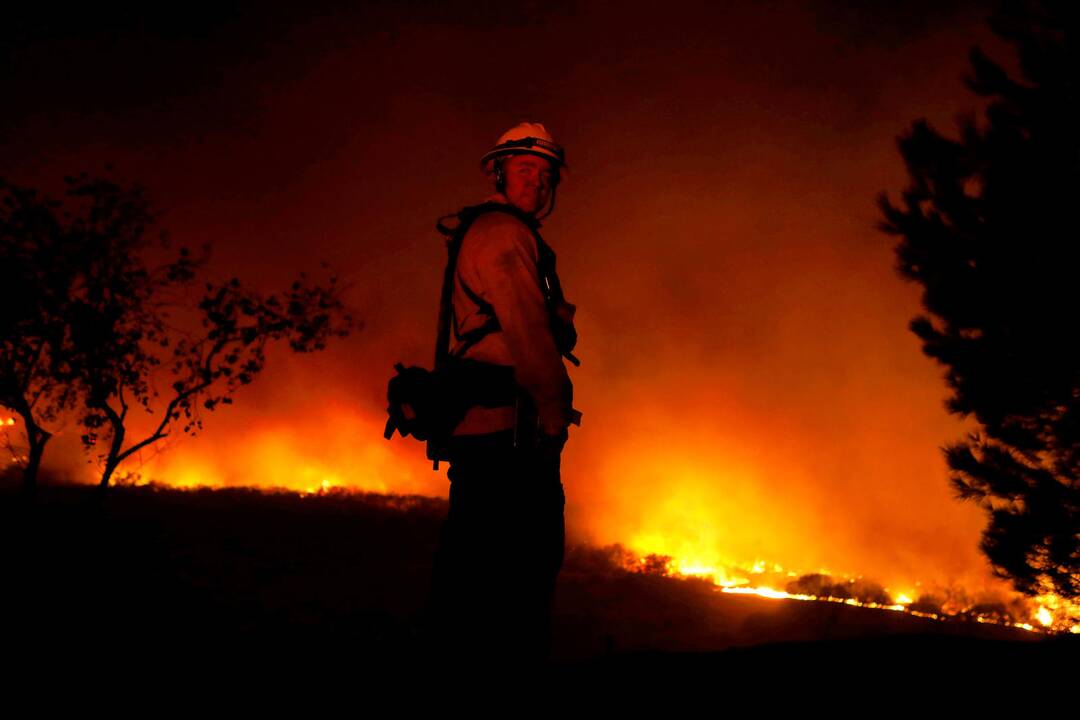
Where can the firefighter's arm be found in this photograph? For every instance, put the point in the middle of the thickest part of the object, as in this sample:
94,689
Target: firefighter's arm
506,259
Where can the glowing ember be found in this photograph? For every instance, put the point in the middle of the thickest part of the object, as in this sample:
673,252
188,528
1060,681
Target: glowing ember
767,593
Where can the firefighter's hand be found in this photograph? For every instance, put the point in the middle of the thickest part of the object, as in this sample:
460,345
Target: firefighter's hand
562,327
553,443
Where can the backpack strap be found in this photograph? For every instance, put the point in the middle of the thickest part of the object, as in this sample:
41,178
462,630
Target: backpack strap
455,236
565,336
550,286
478,333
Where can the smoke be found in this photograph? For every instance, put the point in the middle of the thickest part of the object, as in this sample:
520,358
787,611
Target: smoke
751,394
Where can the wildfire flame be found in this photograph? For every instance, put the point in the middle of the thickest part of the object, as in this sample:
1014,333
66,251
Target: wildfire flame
1052,612
683,540
15,458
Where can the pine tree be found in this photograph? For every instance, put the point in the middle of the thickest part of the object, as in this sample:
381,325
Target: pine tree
988,229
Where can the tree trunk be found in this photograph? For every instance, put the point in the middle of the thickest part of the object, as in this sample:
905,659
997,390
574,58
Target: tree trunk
110,466
37,438
113,460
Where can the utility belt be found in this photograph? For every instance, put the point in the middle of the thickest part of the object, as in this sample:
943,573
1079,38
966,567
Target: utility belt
429,405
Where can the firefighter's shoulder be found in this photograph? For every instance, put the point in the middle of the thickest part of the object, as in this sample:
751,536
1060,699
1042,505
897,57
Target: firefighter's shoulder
494,233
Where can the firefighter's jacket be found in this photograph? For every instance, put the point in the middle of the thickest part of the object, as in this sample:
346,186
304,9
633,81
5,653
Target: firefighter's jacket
498,263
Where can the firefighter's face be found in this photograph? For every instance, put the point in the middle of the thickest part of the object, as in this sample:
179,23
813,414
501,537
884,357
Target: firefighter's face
528,182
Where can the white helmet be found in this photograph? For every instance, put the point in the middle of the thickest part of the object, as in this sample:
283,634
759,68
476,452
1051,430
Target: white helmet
526,137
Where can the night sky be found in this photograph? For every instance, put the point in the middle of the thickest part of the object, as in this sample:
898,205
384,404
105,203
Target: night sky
749,387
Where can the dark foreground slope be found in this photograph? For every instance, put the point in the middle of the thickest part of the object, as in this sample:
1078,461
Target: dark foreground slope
244,581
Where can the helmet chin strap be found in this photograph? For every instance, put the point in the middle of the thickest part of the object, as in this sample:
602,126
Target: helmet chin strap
551,205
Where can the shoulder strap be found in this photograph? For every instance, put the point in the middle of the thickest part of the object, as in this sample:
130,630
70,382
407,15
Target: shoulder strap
454,237
549,280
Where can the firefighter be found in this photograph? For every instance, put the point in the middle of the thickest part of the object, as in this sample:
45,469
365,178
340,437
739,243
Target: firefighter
503,540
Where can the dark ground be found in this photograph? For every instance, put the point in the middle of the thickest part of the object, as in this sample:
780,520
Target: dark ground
241,583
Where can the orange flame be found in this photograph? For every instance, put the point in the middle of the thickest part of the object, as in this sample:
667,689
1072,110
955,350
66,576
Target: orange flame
708,523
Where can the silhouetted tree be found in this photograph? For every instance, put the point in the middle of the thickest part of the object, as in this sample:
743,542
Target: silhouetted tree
988,229
121,336
121,328
42,243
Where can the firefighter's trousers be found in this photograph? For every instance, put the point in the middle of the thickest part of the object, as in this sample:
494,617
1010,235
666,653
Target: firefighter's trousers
499,553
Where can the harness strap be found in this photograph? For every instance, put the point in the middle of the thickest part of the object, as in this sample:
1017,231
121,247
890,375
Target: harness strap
549,280
478,333
455,236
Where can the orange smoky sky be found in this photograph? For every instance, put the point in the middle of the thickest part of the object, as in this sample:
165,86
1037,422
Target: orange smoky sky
749,387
